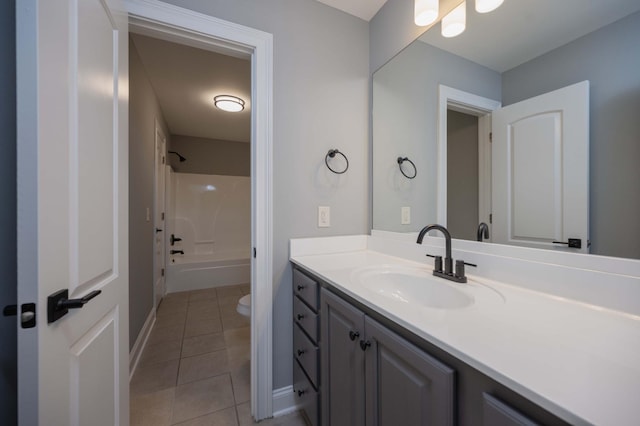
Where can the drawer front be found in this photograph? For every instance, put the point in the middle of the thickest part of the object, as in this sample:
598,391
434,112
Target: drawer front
306,396
306,288
306,318
306,353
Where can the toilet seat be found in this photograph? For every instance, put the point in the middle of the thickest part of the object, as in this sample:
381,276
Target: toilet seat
244,305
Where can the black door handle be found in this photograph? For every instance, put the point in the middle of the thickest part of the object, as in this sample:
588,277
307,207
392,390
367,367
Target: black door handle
353,335
158,230
174,239
58,304
572,243
364,344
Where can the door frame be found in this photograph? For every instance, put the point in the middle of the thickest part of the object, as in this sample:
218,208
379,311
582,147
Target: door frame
468,103
191,28
159,215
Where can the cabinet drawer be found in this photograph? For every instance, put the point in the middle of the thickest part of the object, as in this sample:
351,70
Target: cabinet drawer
305,395
497,413
306,288
306,318
306,353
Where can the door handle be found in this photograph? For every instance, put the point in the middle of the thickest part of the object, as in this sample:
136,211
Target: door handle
572,243
27,317
174,239
58,304
158,230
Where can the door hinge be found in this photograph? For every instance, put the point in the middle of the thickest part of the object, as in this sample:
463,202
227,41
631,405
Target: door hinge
254,252
491,218
163,159
490,136
162,272
162,216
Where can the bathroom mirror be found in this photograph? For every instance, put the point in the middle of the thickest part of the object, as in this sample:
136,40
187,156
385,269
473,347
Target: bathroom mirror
517,52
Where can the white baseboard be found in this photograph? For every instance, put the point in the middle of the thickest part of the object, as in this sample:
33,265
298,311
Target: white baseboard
284,401
141,341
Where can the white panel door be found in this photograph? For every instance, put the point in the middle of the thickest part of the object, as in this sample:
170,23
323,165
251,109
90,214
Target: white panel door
72,188
540,181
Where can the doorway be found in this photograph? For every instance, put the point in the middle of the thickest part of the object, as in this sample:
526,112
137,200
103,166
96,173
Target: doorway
183,26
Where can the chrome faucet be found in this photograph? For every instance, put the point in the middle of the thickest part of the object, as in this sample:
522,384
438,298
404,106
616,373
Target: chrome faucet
483,231
448,274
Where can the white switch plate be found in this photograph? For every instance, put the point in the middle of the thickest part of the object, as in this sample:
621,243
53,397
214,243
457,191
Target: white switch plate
405,216
324,216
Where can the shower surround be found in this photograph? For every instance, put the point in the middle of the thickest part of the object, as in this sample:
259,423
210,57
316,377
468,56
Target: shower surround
211,214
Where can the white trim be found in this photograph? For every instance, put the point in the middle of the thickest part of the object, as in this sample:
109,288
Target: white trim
192,27
284,401
450,98
141,342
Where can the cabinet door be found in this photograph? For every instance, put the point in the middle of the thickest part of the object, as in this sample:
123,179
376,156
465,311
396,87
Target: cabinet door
342,360
405,385
497,413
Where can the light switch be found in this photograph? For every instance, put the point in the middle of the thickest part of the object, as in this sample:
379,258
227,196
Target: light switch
324,216
405,216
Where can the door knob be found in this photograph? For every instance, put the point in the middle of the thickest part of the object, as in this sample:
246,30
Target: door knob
27,317
353,335
364,344
58,304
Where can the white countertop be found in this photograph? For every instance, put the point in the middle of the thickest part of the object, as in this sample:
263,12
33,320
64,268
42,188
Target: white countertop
580,362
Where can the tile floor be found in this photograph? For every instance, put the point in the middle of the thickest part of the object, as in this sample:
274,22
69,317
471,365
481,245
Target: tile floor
194,369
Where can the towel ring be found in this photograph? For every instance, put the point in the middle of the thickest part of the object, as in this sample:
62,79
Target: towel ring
332,153
402,160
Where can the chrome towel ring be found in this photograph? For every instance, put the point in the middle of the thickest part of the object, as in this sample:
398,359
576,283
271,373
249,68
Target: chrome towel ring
402,160
331,154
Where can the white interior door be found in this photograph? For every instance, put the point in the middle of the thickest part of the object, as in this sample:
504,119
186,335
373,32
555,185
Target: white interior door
540,167
159,218
72,187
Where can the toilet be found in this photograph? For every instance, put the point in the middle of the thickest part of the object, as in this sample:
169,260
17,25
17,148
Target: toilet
244,305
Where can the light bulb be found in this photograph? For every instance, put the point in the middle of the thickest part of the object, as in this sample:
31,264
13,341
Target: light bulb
425,12
455,22
484,6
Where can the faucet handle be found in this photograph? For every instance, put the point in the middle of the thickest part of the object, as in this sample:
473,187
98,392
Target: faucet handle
437,263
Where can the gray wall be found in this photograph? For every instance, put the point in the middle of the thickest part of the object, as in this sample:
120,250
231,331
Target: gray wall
210,156
462,175
610,60
143,111
8,288
405,107
321,55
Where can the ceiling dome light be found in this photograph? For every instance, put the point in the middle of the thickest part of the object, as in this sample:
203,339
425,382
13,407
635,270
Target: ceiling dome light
425,12
484,6
229,103
455,22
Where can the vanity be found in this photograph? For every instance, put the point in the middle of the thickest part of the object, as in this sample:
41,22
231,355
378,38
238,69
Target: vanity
379,340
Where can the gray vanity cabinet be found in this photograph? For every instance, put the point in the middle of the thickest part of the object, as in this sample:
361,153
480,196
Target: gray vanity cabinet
373,376
404,384
342,362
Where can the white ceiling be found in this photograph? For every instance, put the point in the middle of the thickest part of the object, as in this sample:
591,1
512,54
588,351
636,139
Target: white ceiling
185,80
521,30
363,9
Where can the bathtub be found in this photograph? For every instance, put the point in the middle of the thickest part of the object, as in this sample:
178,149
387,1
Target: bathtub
199,271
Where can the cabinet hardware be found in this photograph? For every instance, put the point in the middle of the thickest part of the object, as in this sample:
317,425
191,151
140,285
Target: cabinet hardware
299,316
353,335
300,287
364,344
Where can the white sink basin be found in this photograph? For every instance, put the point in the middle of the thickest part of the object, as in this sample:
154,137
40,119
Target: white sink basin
412,286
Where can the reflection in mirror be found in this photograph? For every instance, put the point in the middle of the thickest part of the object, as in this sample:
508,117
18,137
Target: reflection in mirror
537,56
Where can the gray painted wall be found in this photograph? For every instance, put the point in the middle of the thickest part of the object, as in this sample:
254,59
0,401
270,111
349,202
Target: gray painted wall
462,175
210,156
609,58
8,283
405,107
143,111
321,86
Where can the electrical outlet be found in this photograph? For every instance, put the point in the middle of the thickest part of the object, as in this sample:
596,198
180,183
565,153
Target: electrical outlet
324,216
405,216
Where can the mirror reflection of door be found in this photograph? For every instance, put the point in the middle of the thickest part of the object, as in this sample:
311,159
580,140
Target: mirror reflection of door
462,175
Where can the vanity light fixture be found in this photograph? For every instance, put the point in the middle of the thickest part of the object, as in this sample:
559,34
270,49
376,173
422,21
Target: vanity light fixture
455,22
484,6
229,103
425,12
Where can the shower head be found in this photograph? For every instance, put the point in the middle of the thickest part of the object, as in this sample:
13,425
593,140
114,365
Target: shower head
182,159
